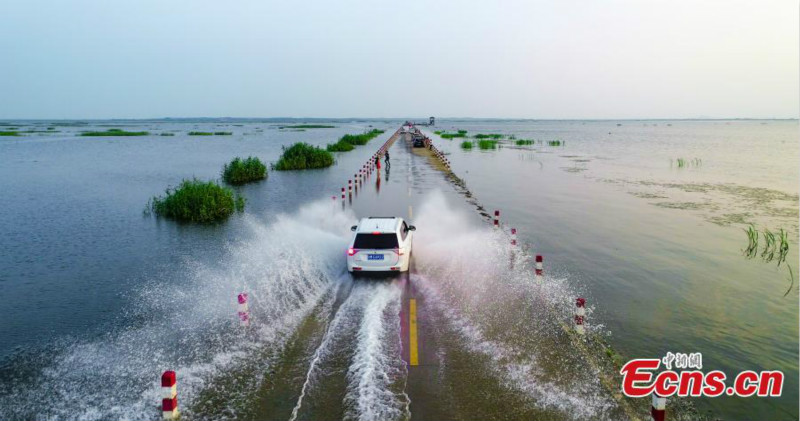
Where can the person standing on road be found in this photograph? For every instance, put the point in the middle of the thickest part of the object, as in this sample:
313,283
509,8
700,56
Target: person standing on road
378,162
386,157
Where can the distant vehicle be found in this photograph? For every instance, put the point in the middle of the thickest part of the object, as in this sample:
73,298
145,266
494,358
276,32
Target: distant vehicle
418,141
380,244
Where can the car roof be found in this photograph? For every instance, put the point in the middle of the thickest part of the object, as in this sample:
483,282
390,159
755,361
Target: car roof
387,224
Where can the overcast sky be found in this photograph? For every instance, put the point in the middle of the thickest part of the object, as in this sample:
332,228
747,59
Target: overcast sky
372,58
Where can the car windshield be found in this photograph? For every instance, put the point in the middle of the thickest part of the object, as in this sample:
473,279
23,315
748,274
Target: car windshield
375,241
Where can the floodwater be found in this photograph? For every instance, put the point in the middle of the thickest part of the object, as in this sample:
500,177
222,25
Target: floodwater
97,298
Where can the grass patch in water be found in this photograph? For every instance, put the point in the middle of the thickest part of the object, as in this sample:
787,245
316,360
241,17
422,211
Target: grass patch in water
340,146
308,126
201,134
197,201
114,132
466,145
302,156
9,133
488,136
453,135
487,144
241,171
223,133
524,142
555,143
348,142
167,134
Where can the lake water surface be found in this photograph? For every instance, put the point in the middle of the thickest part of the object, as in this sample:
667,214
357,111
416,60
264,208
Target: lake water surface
86,278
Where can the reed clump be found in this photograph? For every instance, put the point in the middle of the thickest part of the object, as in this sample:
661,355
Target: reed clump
489,136
241,171
524,142
201,134
302,156
487,144
775,247
223,133
9,133
349,141
555,143
197,201
466,144
114,132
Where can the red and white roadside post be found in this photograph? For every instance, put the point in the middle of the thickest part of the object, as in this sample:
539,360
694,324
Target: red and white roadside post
580,315
539,268
169,396
349,186
244,310
342,194
497,219
513,237
659,409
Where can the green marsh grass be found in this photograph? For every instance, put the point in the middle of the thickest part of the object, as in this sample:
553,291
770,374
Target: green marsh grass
684,163
349,141
769,246
167,134
466,144
487,144
783,249
197,201
752,242
438,132
201,134
9,133
223,133
302,156
555,143
524,142
114,132
488,136
241,171
453,135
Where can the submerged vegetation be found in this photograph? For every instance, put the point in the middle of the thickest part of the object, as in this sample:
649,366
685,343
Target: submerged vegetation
167,134
524,142
775,247
9,133
223,133
488,136
302,156
308,126
556,143
197,201
114,132
241,171
348,142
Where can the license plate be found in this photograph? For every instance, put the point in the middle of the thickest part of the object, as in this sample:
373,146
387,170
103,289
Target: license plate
374,257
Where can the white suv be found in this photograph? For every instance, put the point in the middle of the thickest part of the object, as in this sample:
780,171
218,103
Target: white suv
380,244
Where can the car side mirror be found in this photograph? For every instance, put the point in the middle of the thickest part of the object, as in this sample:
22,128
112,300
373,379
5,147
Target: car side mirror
354,227
412,228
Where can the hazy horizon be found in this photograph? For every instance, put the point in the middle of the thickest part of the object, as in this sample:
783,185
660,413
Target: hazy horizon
620,60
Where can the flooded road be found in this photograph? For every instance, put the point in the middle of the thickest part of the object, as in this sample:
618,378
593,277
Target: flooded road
468,333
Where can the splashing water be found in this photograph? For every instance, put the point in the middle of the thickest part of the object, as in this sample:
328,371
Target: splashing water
190,326
486,292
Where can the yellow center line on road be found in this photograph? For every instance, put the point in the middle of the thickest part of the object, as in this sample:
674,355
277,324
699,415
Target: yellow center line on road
413,353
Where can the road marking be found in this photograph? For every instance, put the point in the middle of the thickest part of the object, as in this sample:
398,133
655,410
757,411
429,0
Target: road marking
413,355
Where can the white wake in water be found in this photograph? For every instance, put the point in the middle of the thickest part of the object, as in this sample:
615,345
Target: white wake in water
372,391
465,270
191,326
